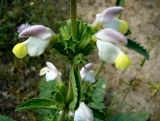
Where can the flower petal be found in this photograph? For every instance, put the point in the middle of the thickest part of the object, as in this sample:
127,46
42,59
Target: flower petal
107,51
111,35
36,46
83,113
51,75
122,61
87,74
38,31
20,50
107,15
43,71
51,66
123,26
112,11
22,27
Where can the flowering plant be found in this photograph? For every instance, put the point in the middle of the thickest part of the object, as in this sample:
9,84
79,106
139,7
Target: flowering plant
80,97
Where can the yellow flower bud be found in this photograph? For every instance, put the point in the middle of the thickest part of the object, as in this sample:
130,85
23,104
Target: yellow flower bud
20,50
122,61
123,26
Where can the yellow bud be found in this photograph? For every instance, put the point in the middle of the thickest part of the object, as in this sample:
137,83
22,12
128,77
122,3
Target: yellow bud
20,50
122,61
123,26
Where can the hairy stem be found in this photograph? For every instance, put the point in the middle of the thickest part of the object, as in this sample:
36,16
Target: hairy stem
99,69
73,15
63,115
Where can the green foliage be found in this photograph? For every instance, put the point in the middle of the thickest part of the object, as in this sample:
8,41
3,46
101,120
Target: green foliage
37,104
45,91
138,48
96,102
5,118
128,32
120,2
66,45
129,116
98,94
76,89
46,88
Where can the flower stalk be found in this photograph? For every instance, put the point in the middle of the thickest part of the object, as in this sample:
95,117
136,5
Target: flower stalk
99,69
73,16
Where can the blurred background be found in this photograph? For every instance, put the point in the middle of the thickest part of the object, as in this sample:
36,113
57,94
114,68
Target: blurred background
130,90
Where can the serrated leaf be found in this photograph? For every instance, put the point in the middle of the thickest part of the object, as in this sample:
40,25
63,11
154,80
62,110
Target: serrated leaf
46,88
74,99
99,91
66,45
37,104
138,48
78,59
5,118
129,116
120,2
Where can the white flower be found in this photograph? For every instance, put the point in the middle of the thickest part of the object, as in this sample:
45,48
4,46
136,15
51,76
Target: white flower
108,49
107,19
87,74
83,113
38,39
50,72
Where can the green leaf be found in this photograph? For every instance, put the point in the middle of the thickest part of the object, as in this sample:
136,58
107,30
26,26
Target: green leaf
75,82
5,118
46,88
99,91
78,59
120,2
128,32
36,104
138,48
72,80
66,45
129,116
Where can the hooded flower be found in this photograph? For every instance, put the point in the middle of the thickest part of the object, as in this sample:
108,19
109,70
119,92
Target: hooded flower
38,39
50,72
87,74
107,19
83,113
108,49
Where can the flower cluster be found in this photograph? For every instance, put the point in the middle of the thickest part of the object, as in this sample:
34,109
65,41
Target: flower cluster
38,39
108,38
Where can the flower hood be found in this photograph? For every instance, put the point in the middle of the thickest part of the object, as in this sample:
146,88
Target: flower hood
107,19
38,39
87,74
108,41
50,72
83,113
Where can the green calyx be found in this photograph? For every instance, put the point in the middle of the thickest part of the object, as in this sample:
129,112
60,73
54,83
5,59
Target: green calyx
67,45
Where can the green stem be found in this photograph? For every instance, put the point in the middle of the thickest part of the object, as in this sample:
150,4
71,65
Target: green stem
73,14
63,115
99,69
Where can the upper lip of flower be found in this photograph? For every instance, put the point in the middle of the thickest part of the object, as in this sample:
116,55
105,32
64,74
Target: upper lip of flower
50,68
108,14
112,11
39,31
113,35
